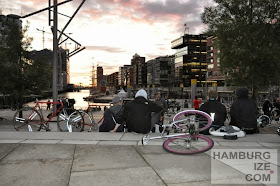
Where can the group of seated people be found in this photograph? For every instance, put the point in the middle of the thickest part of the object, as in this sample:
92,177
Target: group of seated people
140,115
243,112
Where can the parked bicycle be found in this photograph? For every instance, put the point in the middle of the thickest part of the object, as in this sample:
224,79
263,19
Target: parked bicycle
33,120
89,119
188,142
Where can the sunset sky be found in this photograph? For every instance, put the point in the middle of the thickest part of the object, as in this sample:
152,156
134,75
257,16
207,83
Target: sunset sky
112,30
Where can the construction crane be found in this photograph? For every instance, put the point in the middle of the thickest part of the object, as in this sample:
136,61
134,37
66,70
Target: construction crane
43,32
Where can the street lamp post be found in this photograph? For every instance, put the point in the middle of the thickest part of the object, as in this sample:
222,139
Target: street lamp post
55,48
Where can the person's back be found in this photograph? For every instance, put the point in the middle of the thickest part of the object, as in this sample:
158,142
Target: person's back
244,111
213,106
138,113
267,107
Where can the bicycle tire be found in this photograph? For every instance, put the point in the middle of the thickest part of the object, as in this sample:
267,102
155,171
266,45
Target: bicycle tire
178,145
26,120
88,121
62,118
75,122
263,120
201,120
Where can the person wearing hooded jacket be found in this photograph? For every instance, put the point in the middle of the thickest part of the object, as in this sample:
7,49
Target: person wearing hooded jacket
137,113
244,111
113,117
216,108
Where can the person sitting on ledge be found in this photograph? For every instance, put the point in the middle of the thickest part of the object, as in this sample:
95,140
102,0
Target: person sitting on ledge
113,117
137,113
244,111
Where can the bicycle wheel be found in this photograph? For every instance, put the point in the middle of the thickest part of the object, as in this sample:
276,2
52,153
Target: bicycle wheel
188,144
88,121
196,117
75,122
62,118
26,120
263,120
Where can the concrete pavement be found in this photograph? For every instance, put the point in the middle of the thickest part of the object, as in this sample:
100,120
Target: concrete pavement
57,158
93,158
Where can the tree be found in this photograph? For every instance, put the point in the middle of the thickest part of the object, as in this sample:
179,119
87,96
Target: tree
248,40
18,73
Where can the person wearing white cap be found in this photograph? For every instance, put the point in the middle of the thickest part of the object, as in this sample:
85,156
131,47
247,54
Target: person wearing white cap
137,113
113,117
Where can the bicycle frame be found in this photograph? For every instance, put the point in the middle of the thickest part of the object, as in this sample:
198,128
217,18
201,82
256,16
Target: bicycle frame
186,132
181,143
37,105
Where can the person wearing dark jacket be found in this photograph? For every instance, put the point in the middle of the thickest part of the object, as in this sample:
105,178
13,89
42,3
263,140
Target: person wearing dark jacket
138,113
267,107
244,111
113,117
216,109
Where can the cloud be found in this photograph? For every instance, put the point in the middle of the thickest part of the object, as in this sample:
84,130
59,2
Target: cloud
106,49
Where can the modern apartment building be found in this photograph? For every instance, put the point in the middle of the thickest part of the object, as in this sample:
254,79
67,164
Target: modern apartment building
124,75
160,71
99,74
139,71
213,71
190,59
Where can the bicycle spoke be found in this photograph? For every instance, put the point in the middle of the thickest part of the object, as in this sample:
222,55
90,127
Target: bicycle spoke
27,120
188,144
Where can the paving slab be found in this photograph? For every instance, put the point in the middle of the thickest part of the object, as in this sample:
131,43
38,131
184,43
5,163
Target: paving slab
144,150
61,135
140,176
96,157
175,169
80,142
36,172
40,152
117,142
6,149
33,164
10,141
40,141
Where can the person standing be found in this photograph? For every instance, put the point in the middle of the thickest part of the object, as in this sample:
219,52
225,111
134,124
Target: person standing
267,107
196,102
48,105
244,111
137,113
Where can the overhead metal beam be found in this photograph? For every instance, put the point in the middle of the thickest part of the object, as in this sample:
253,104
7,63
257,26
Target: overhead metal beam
48,8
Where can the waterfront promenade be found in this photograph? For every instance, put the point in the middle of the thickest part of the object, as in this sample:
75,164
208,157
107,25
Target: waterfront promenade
93,158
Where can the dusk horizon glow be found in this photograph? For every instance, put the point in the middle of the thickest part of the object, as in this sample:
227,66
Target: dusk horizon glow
112,30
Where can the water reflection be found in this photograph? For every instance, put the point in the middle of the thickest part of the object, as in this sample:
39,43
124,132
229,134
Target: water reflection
78,96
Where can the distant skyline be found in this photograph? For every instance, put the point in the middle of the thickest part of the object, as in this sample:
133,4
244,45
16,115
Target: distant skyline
112,30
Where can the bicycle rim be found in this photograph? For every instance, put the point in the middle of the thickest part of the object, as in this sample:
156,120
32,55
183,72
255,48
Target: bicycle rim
180,144
27,120
201,119
265,120
88,121
75,122
63,118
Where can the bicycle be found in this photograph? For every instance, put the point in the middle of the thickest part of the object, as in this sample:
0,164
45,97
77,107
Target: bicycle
89,121
33,120
189,141
263,120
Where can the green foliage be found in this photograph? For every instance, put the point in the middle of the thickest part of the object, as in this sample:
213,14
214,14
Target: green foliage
248,39
19,74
